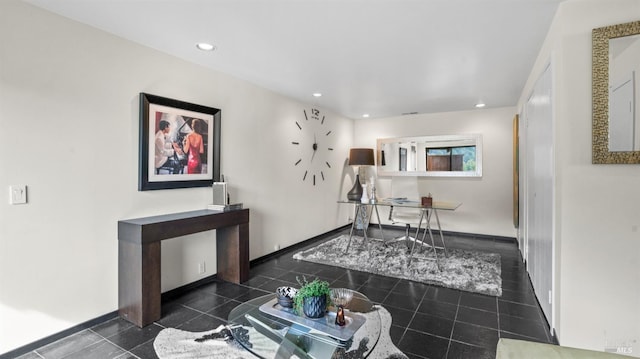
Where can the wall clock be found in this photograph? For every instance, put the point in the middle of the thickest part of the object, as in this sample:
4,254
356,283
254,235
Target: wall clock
314,146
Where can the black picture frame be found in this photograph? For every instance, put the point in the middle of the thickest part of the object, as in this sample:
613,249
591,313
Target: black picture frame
164,161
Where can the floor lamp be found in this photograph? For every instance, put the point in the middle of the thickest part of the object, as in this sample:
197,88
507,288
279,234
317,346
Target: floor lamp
359,157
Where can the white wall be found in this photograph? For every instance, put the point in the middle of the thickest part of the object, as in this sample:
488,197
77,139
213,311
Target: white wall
487,201
597,277
69,119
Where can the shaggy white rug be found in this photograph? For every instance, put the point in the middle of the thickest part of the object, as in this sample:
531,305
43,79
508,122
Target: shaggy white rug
174,343
471,271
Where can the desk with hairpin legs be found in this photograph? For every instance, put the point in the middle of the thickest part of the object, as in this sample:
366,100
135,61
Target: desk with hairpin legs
427,212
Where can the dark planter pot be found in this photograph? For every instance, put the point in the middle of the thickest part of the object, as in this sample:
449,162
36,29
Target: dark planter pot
314,307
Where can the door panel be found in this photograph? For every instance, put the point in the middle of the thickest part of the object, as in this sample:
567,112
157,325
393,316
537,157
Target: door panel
539,190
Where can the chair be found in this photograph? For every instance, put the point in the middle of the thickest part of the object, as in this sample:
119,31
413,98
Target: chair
404,189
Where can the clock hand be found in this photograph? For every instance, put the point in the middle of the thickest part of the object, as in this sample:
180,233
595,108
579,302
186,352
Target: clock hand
315,147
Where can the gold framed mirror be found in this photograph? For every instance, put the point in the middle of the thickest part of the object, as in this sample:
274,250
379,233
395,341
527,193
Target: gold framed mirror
616,94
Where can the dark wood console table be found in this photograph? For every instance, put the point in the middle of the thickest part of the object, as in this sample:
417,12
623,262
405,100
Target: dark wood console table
139,255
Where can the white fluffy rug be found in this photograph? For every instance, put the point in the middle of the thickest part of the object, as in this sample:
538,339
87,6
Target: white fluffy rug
173,343
471,271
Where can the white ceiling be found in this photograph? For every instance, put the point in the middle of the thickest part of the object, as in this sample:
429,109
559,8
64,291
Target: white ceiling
381,57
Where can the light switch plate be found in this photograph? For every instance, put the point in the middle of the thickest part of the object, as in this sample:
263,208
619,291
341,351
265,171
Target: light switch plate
18,194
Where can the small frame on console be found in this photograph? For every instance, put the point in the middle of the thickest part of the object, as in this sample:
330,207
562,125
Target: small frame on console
179,144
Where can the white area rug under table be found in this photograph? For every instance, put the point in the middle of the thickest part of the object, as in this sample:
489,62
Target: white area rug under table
472,271
174,343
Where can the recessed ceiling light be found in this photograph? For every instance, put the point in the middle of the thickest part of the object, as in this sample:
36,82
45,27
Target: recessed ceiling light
366,115
480,105
317,94
205,46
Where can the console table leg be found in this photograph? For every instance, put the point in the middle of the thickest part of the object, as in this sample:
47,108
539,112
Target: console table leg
139,282
232,257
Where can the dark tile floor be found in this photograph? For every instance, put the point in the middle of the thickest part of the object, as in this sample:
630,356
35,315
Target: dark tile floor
428,321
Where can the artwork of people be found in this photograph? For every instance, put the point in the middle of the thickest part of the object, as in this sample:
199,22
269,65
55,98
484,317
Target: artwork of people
180,144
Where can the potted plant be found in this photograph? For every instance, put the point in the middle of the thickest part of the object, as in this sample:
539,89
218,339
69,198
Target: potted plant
312,297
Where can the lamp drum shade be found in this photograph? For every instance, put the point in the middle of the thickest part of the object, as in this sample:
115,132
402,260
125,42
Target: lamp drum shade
361,157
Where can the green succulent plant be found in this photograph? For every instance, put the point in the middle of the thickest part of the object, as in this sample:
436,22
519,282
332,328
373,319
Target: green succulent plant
315,288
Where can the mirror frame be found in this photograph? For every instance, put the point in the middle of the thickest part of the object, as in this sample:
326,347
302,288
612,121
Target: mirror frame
477,138
600,93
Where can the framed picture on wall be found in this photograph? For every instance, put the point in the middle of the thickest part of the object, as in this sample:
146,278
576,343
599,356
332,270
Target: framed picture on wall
179,144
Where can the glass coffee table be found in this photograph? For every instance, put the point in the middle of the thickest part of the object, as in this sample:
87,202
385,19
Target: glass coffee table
270,331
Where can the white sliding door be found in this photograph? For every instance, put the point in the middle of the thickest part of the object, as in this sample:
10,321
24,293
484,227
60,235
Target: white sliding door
539,176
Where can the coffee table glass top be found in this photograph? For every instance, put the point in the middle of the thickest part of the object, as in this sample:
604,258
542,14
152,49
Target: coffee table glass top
269,334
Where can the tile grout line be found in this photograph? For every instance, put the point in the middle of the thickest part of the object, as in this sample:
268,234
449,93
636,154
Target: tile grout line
406,328
455,318
415,311
103,339
498,317
88,330
382,301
